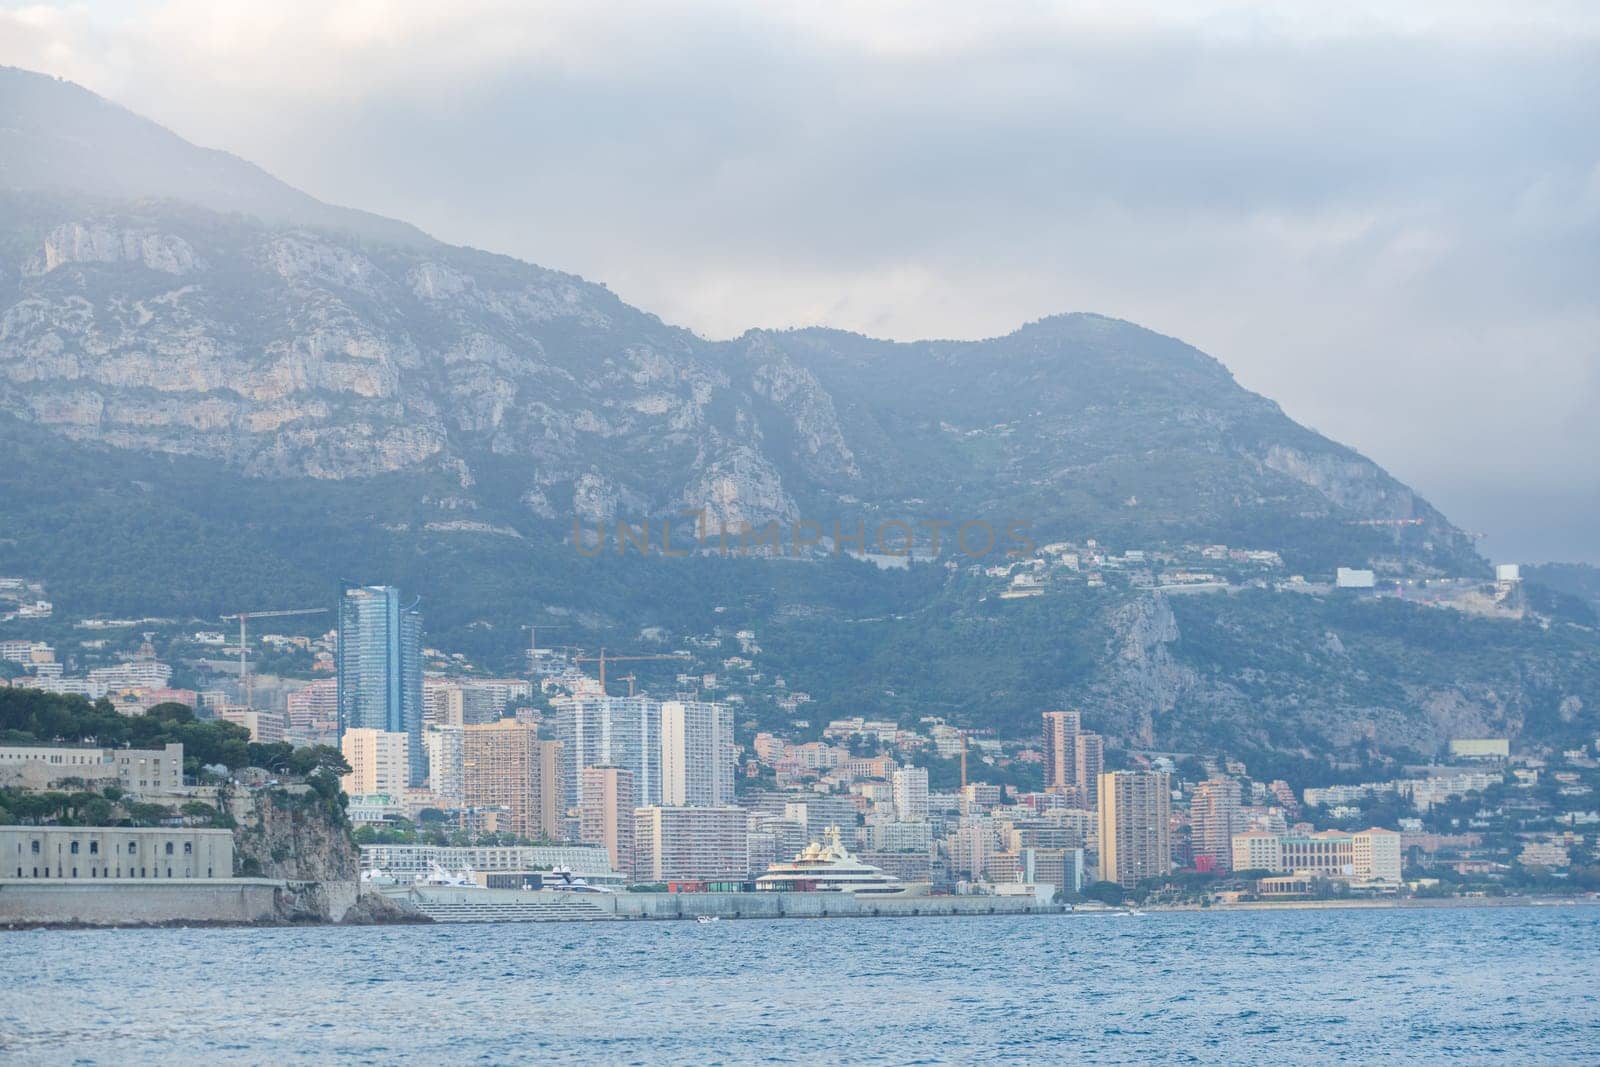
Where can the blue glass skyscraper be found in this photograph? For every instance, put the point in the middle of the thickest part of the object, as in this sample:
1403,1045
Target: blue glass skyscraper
380,667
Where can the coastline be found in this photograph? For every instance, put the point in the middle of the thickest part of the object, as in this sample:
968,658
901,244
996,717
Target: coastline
1382,904
402,916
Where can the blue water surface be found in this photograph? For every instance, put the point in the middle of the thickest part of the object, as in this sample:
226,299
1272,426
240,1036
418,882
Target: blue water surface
1458,985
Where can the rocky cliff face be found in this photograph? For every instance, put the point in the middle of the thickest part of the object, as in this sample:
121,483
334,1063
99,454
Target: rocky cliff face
298,353
1313,675
293,834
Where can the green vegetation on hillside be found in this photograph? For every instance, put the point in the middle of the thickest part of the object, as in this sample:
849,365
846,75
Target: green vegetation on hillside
29,716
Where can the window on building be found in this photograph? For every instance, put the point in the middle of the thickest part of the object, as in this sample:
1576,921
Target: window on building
188,848
94,848
35,848
74,848
169,848
133,846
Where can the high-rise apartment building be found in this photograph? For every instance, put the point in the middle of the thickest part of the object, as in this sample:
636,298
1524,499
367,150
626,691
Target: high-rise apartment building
696,754
911,794
504,764
1073,759
380,763
1215,814
607,731
1135,837
1061,730
1089,762
677,844
380,668
606,815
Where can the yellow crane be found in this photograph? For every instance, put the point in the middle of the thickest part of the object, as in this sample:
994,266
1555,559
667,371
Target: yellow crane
245,685
603,658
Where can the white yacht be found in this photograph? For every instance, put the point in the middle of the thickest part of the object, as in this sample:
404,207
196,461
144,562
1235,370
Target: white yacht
828,867
561,879
439,878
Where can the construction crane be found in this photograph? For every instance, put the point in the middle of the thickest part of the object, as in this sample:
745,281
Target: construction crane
244,666
603,659
630,679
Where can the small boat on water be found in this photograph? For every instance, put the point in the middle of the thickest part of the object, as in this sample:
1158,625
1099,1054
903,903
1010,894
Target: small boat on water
703,919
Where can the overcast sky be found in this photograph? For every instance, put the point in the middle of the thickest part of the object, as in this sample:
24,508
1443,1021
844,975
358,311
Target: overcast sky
1384,216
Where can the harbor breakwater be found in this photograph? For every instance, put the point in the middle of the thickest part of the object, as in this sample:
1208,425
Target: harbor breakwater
28,902
446,904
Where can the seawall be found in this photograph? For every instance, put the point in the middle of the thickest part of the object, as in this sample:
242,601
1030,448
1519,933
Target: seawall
444,904
152,901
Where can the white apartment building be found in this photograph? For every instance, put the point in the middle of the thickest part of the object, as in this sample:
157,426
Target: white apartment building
911,794
446,763
140,674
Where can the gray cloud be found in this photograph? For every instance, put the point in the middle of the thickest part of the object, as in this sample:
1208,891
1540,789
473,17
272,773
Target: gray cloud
1388,221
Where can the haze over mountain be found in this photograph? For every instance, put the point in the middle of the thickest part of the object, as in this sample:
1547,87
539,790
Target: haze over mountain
217,391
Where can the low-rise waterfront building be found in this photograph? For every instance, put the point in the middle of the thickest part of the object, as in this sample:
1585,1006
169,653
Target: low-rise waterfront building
405,862
101,852
143,772
1366,856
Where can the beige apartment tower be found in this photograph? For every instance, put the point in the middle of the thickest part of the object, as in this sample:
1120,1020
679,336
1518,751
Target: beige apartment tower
1135,838
504,764
674,844
606,813
379,762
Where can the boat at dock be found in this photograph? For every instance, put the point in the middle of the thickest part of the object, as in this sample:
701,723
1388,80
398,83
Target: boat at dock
828,867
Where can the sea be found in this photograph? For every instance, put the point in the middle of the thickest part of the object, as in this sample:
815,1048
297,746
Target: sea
1439,985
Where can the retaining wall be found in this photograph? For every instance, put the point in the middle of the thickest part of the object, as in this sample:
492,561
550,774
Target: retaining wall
136,901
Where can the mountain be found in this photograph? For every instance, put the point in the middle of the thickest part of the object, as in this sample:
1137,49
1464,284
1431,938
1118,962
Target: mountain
218,391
